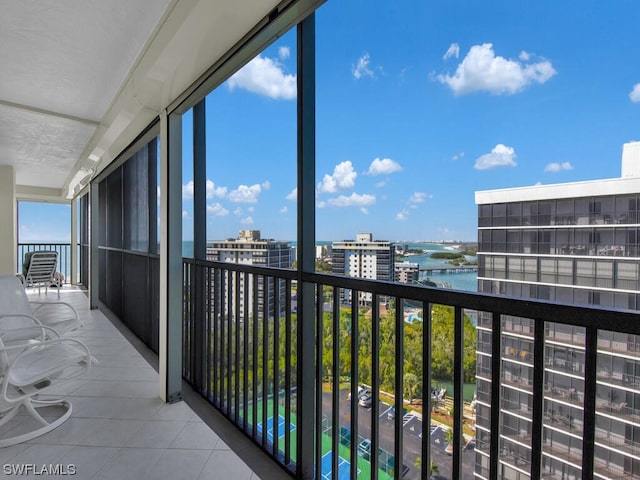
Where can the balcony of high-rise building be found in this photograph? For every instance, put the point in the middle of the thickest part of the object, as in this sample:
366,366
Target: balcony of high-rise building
221,357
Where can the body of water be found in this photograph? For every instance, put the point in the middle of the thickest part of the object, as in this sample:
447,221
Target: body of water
458,281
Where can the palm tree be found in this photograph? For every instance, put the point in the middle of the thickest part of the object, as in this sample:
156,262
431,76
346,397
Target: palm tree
411,382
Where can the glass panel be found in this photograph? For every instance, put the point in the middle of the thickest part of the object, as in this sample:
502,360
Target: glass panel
251,158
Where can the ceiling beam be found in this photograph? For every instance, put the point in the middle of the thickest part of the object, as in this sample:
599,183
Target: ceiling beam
40,194
28,108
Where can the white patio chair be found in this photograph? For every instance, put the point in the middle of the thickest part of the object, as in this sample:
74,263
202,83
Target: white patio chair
31,364
16,310
40,270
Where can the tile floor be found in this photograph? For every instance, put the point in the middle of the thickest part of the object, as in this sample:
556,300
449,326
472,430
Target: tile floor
119,428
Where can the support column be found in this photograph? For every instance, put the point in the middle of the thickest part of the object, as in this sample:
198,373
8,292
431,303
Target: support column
170,345
9,221
306,248
94,263
74,242
198,283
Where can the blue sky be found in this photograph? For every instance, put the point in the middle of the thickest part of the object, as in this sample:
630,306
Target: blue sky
420,104
44,222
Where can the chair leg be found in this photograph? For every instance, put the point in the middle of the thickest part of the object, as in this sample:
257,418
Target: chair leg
31,405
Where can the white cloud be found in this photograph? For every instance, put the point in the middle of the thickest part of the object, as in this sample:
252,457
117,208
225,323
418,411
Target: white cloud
293,195
211,189
383,167
452,51
266,185
353,200
361,69
364,210
245,194
284,209
403,215
217,210
524,56
557,167
238,212
457,156
185,214
343,177
187,191
482,70
284,52
500,156
250,209
418,197
321,204
381,183
265,76
247,221
635,93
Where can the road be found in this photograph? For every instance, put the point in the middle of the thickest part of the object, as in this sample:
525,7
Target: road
412,430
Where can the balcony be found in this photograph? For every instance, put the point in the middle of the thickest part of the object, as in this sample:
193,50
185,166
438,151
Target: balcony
119,427
232,340
232,360
274,358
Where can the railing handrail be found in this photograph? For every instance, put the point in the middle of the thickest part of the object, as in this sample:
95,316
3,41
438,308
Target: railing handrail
34,244
619,320
229,314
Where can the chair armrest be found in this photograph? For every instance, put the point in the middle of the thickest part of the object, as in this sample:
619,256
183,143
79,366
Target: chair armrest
28,320
26,335
41,304
59,315
67,353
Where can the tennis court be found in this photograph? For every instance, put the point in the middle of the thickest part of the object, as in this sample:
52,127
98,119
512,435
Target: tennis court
344,467
281,428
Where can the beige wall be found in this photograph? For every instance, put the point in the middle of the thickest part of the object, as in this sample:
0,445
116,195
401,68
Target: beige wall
7,220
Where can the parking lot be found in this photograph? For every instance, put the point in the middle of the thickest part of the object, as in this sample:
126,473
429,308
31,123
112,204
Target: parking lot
412,433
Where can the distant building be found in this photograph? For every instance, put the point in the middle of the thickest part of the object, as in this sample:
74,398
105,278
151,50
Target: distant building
323,252
363,258
250,249
571,243
407,272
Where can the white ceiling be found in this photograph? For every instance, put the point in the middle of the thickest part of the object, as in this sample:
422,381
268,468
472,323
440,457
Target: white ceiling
82,77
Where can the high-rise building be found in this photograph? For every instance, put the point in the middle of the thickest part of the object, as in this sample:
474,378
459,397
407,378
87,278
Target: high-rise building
407,272
574,243
364,258
250,249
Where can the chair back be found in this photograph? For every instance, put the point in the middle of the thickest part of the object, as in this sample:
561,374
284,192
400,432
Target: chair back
13,300
42,266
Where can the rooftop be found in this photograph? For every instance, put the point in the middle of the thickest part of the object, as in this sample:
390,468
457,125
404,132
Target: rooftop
628,183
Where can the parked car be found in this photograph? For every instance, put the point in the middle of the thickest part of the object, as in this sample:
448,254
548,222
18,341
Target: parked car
362,392
365,401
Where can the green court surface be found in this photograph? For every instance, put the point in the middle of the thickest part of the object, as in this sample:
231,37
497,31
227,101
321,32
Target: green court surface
364,466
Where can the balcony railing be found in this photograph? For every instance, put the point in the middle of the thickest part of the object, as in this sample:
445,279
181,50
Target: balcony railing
243,335
64,256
